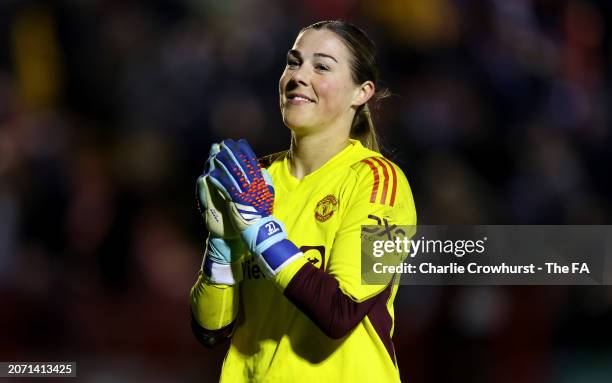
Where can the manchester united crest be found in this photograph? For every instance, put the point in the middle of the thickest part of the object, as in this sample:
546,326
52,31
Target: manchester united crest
326,208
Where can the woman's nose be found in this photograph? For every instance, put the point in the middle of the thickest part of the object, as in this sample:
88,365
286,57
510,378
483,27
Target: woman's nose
300,75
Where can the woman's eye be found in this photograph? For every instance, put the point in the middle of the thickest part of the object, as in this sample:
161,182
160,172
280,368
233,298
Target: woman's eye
321,67
292,63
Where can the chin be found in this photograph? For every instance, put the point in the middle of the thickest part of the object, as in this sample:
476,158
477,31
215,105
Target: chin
297,124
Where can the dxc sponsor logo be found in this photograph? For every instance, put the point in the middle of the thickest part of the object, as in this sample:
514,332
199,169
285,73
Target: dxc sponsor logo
387,229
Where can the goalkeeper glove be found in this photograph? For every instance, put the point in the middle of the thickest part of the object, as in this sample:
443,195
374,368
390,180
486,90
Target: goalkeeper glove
224,246
249,191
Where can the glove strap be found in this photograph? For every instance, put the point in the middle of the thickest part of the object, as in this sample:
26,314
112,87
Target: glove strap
267,240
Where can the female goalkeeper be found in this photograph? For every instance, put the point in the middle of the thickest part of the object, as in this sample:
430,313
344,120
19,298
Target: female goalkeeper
286,288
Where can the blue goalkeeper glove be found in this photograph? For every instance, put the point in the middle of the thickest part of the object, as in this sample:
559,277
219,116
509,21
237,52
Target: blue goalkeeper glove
224,246
249,191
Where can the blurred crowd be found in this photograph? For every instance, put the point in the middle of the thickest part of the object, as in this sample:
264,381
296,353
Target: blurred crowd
499,115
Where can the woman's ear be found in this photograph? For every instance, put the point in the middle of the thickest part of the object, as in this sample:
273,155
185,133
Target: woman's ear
364,93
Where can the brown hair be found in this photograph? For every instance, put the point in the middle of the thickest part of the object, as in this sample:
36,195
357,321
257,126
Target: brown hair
363,68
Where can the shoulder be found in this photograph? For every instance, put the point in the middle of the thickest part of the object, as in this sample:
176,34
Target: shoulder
376,165
370,165
382,186
382,177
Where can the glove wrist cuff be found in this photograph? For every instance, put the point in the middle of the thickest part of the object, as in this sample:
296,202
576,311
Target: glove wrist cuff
222,263
224,251
222,274
267,241
263,233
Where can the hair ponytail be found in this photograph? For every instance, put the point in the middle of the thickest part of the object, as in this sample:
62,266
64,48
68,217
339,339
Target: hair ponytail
362,128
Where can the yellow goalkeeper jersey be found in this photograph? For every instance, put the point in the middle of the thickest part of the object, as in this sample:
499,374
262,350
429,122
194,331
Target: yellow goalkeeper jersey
274,339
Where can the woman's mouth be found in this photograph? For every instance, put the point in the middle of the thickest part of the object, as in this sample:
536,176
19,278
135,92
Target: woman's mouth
298,99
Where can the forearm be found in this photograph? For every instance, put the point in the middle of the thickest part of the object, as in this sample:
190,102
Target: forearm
214,306
318,295
213,311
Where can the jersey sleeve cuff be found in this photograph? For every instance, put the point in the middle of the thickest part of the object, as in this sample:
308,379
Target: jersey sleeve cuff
285,276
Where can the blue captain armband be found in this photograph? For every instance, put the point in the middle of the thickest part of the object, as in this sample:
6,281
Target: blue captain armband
267,240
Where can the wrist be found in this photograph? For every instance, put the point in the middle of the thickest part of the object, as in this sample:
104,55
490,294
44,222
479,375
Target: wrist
224,251
267,241
222,262
260,235
220,273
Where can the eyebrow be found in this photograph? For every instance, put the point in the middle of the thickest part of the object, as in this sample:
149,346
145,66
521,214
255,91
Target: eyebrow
297,54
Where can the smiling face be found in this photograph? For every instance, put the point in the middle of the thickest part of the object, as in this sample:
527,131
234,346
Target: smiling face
316,89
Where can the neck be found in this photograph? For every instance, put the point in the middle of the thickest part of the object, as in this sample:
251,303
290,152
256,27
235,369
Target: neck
310,152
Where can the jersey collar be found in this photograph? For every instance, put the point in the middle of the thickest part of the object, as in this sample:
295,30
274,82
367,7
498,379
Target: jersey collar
291,182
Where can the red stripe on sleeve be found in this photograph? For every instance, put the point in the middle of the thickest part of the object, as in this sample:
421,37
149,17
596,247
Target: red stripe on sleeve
376,180
394,187
383,197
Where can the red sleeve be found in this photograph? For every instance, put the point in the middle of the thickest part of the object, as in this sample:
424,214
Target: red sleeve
318,295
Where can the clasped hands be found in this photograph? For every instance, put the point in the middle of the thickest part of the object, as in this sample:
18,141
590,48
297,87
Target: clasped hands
235,196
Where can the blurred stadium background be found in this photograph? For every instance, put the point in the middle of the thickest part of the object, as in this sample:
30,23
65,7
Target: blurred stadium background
500,115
